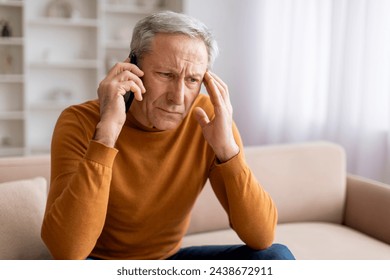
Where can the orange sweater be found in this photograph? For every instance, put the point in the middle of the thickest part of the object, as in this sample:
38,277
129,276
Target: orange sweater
134,202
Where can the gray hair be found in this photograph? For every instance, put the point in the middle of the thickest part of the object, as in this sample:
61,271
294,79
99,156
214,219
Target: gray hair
172,23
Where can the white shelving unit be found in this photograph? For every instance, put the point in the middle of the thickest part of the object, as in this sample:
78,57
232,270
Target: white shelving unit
56,58
62,63
12,80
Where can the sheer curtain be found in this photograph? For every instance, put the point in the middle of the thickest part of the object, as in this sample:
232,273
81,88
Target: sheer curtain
316,70
303,70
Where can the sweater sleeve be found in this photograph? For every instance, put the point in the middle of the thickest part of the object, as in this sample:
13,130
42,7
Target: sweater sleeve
252,213
81,172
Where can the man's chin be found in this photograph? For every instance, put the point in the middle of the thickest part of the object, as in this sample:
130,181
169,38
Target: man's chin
167,124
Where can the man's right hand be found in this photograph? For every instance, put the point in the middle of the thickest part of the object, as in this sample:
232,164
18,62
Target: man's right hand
121,78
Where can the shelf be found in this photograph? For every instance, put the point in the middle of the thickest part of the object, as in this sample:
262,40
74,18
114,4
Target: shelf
11,151
12,115
72,64
130,9
12,4
65,22
11,41
15,78
49,105
40,149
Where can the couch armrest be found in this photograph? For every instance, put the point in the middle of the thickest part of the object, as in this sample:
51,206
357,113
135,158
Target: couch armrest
368,207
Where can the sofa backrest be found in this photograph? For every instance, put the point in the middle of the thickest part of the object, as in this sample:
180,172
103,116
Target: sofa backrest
17,168
307,182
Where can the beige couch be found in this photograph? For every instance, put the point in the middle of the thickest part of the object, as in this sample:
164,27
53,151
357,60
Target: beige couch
323,212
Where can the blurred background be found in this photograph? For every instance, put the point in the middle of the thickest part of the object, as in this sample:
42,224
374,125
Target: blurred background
297,70
303,70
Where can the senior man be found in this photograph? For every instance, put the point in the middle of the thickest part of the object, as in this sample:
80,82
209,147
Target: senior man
123,183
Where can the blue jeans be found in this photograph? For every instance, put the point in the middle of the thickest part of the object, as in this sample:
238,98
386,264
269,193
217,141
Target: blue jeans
233,252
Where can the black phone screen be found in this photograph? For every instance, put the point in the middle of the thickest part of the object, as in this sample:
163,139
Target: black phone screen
129,96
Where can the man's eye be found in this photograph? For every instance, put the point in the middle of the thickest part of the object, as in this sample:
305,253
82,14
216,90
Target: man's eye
193,80
165,74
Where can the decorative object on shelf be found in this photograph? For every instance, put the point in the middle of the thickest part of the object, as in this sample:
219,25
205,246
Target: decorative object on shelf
5,141
60,95
124,2
7,64
60,9
149,3
6,29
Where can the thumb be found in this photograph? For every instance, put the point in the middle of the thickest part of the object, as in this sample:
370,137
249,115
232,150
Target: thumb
201,117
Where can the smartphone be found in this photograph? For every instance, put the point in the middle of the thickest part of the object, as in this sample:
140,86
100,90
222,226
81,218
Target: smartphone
129,96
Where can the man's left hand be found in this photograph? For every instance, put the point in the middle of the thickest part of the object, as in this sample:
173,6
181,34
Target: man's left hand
218,132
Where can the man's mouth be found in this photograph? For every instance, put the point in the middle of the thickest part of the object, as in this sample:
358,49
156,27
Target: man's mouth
170,111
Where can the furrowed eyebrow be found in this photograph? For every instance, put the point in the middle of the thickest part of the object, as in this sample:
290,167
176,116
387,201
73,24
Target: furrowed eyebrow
163,68
195,76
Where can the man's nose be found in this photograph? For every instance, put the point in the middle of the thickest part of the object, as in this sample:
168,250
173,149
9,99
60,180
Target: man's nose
176,94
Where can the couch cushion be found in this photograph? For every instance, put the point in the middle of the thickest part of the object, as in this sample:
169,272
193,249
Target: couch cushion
309,241
330,241
307,180
217,237
22,205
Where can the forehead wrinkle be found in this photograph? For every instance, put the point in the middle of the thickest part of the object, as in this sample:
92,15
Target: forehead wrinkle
184,57
179,66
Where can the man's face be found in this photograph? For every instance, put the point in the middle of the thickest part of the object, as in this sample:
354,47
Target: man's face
173,74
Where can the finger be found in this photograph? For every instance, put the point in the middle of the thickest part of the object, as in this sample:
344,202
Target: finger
223,88
133,87
129,82
201,117
212,89
224,91
120,67
132,68
219,81
127,75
